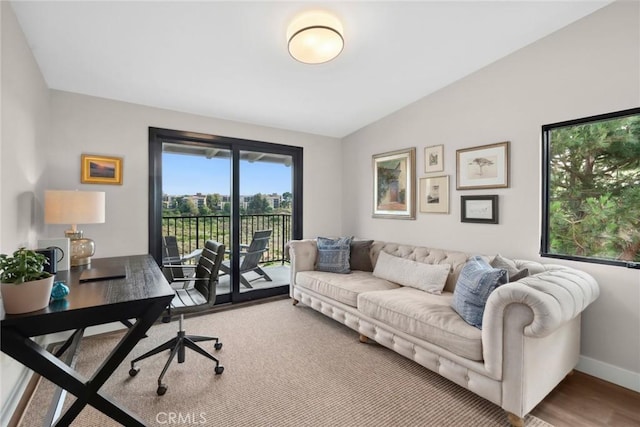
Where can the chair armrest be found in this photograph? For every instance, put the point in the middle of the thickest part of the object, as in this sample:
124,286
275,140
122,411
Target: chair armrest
190,279
179,265
193,254
242,247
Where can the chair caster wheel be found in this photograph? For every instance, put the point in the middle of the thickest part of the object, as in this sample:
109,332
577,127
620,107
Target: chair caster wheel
219,370
162,389
134,371
217,345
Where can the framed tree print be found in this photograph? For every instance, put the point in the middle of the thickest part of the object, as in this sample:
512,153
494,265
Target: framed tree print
486,166
394,177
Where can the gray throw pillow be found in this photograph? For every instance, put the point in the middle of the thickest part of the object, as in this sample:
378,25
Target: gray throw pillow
476,281
333,254
359,258
514,274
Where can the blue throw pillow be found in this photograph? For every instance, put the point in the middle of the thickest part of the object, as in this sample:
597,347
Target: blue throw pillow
333,254
476,281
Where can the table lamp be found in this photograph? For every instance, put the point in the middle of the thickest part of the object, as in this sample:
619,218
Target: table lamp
75,207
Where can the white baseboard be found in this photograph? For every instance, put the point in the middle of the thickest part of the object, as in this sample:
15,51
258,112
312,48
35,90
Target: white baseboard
610,373
15,378
17,390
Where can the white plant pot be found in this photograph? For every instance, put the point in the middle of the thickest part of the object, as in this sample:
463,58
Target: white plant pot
26,297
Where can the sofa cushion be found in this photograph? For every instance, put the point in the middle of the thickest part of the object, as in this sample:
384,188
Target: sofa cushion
344,287
359,257
333,254
476,281
426,277
514,273
425,316
425,255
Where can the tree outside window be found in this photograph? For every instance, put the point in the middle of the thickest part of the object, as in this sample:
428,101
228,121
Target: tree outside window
591,197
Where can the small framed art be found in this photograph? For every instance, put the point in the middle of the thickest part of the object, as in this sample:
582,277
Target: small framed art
434,159
481,209
101,170
394,177
486,166
434,194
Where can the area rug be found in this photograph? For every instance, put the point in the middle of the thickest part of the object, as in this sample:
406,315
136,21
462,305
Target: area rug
284,366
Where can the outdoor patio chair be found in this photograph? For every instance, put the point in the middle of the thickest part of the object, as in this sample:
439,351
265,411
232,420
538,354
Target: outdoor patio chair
250,256
174,265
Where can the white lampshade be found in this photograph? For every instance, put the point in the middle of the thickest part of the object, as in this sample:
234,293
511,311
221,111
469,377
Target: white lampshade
315,37
74,207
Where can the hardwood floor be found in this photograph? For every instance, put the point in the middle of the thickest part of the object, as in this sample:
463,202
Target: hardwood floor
586,401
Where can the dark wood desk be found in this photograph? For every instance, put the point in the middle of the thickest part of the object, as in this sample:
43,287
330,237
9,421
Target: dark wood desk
143,295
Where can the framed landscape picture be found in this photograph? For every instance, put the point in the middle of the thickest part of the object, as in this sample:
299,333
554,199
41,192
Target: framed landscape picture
434,159
394,177
481,209
434,194
101,169
486,166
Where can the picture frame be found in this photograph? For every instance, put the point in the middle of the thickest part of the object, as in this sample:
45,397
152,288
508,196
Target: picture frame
97,169
434,159
485,166
434,194
394,177
479,209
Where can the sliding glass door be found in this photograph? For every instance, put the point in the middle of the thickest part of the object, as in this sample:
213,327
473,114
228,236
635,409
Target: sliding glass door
245,194
266,193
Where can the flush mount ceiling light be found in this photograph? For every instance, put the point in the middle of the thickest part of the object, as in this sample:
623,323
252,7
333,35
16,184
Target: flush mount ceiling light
315,37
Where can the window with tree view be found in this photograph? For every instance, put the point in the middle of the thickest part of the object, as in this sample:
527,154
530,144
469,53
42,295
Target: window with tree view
591,189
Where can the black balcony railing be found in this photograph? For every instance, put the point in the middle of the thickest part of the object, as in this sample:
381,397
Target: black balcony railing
192,231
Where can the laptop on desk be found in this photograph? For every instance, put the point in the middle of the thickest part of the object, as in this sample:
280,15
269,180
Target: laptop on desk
103,273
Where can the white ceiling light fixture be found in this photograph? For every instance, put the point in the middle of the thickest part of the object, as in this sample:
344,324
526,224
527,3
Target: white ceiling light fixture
315,37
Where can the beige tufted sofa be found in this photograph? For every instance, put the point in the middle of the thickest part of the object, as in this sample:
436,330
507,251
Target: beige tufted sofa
530,338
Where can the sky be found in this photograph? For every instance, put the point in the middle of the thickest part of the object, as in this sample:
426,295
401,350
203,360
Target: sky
182,174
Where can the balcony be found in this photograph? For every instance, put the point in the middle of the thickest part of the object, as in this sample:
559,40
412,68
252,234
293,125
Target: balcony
192,231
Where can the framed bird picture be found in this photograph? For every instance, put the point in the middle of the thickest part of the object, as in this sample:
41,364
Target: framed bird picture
485,166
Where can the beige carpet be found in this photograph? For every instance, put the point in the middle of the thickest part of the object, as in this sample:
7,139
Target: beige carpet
284,366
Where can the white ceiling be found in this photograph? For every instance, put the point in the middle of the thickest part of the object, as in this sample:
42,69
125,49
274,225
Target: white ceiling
229,59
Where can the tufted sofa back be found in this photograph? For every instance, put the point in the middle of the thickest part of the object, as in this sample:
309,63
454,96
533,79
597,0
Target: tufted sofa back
457,259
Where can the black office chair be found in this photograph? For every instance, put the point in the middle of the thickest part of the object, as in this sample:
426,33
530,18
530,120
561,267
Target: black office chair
197,298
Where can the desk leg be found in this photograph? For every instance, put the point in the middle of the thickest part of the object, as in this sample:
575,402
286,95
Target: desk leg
39,360
69,359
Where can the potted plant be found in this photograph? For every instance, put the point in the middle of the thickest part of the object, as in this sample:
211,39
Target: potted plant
24,284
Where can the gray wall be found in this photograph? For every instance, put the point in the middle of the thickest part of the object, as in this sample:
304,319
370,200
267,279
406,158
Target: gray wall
85,124
590,67
25,125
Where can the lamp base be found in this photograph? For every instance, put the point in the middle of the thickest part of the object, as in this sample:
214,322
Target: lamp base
82,248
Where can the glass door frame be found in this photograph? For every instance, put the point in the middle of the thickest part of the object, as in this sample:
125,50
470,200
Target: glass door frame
157,136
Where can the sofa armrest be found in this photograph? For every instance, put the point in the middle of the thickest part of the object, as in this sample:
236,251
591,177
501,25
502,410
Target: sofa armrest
555,296
551,299
303,254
